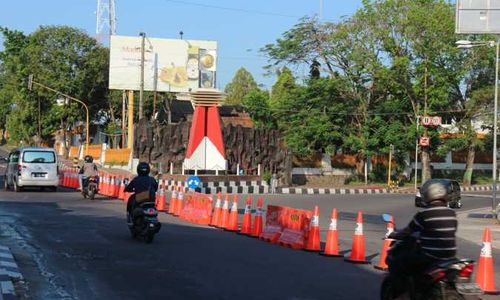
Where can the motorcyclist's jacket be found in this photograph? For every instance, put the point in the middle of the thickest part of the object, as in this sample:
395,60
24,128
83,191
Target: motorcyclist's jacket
437,227
141,184
89,169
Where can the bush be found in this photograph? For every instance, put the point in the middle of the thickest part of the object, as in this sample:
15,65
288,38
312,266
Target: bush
266,176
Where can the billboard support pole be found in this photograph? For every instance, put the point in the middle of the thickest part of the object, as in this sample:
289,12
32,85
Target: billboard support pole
130,143
124,117
141,93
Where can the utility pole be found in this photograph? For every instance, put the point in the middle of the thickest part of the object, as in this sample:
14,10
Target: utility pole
495,130
124,119
130,142
416,155
141,93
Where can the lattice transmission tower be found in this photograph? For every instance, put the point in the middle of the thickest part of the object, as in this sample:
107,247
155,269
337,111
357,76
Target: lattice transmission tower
105,20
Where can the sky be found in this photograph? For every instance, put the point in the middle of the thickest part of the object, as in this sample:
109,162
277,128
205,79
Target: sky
241,28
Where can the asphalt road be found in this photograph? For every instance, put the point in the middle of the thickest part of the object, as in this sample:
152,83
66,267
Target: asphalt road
71,248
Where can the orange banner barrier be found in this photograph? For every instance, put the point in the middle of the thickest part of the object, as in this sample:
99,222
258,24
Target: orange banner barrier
197,208
295,228
274,220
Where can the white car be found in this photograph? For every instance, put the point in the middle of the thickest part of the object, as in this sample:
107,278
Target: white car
31,167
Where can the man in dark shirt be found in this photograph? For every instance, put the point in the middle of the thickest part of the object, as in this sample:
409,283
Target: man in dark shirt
433,228
143,182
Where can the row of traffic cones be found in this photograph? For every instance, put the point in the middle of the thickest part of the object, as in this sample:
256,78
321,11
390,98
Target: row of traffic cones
227,219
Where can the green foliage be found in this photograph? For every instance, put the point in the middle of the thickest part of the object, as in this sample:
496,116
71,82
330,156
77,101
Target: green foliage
257,104
241,85
267,176
61,57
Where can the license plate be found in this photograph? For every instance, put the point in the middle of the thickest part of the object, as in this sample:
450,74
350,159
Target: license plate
468,289
38,174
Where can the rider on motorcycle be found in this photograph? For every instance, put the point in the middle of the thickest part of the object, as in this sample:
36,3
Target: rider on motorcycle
434,231
142,183
89,169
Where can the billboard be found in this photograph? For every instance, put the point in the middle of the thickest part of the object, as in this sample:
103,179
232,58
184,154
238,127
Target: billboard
477,16
170,65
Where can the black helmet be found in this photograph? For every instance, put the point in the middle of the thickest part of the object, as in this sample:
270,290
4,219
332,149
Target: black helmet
143,169
88,158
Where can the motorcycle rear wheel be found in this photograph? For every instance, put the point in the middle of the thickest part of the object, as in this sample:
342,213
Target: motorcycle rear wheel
149,237
91,193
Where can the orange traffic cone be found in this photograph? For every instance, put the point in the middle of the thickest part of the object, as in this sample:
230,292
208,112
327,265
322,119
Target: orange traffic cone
313,241
100,186
224,218
332,237
382,265
173,201
217,211
233,216
246,226
180,202
257,221
358,243
485,276
161,203
121,192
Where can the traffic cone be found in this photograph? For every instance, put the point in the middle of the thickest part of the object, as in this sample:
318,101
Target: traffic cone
121,192
116,187
224,218
173,201
233,216
313,241
180,202
485,276
246,226
332,237
257,221
100,185
161,203
382,265
217,211
358,243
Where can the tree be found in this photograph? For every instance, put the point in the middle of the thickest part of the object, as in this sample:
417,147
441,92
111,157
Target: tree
242,84
281,90
256,103
65,59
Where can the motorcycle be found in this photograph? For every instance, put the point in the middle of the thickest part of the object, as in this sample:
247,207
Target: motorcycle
144,221
90,188
449,280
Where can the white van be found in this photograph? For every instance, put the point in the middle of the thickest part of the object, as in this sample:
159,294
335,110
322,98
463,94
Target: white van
32,167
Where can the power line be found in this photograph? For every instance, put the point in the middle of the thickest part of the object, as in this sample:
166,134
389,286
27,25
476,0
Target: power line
234,9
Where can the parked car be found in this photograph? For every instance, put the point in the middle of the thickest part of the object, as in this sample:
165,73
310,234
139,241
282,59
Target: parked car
455,196
31,167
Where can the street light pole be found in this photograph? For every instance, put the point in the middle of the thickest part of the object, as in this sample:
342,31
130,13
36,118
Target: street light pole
416,156
495,129
87,127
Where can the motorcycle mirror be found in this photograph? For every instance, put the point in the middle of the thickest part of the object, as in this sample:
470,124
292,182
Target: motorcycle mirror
387,218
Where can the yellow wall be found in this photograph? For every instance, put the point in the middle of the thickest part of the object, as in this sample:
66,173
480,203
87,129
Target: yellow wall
117,156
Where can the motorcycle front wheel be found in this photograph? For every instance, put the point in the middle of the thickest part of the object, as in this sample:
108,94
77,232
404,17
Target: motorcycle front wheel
92,193
387,289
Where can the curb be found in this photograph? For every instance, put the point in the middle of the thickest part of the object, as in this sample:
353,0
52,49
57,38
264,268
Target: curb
8,271
476,188
315,191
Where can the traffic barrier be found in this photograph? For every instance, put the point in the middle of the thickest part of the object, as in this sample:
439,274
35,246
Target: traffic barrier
313,240
161,201
233,216
272,231
180,202
197,208
382,265
100,185
173,201
332,237
246,225
485,275
74,183
295,224
116,186
224,218
217,211
65,178
358,243
257,221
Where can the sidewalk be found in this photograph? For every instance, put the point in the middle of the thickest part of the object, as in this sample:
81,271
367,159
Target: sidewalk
471,224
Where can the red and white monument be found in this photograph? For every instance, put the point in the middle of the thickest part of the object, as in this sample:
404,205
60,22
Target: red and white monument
205,149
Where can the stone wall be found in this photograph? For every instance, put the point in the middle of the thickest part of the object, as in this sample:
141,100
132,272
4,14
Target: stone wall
247,146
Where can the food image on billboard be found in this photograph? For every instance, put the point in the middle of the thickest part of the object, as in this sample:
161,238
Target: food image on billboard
170,65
